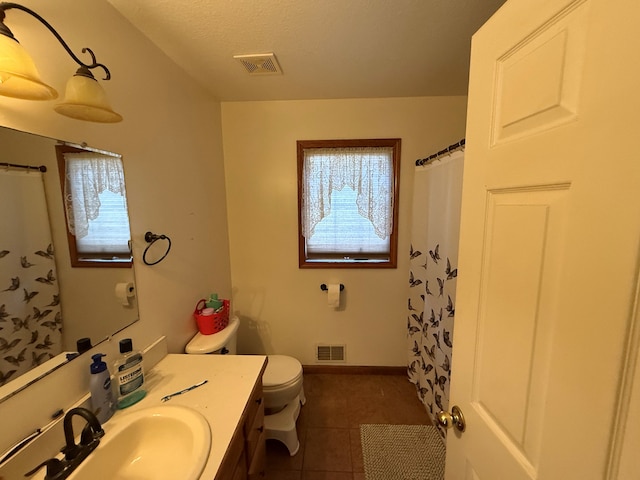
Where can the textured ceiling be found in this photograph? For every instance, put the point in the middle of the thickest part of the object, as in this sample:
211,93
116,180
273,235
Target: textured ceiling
326,48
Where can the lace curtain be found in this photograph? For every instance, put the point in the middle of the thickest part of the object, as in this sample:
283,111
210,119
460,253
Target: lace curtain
87,176
367,170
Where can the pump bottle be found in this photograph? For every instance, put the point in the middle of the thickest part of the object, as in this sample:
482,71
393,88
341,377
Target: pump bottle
102,401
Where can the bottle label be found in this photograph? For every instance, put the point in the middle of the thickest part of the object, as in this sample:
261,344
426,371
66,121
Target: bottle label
130,376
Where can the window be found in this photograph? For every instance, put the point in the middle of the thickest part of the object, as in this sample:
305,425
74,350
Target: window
95,205
348,203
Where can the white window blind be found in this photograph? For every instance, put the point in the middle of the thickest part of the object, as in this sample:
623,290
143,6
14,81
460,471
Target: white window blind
345,230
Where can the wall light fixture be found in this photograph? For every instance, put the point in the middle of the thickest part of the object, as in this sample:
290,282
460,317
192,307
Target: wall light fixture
85,99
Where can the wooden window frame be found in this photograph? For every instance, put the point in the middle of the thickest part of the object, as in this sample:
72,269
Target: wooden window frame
390,261
84,260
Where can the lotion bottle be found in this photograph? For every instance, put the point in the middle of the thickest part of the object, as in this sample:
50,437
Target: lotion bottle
129,375
102,401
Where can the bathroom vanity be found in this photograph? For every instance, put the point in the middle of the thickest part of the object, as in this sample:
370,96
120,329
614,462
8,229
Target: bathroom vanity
231,402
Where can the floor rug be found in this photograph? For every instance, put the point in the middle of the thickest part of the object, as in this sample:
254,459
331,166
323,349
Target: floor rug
402,452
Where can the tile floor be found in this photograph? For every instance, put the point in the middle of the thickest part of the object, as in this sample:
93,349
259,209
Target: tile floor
329,424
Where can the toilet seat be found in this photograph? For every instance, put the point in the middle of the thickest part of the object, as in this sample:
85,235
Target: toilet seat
282,385
282,371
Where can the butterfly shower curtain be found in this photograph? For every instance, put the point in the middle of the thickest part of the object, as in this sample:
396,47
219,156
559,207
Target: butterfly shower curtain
30,317
432,278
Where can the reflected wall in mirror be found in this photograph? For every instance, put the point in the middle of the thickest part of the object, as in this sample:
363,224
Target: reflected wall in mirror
37,330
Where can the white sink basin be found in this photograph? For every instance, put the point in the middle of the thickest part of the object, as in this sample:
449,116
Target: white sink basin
155,443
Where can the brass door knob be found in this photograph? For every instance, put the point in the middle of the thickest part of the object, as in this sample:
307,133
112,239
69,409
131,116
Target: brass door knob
453,419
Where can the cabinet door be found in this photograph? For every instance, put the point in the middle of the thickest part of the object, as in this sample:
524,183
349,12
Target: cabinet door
233,458
240,472
253,433
258,463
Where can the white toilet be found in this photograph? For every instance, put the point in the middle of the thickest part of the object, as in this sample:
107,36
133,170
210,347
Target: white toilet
281,383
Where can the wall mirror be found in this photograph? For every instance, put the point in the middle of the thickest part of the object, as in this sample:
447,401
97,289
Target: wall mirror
46,304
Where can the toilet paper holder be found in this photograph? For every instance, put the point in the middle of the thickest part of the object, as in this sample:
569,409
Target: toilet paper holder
324,287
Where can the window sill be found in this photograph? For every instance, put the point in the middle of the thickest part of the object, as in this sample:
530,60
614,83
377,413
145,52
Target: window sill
347,263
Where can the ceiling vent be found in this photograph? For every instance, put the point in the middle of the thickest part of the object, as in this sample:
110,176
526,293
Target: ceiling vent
262,64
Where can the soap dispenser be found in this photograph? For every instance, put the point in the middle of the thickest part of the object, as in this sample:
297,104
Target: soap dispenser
102,401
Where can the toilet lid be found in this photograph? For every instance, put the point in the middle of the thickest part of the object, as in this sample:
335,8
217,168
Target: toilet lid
280,370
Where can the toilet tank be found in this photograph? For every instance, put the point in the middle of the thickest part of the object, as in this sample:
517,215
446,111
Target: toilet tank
223,342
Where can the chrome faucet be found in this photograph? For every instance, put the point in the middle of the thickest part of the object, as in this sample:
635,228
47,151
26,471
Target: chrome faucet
74,453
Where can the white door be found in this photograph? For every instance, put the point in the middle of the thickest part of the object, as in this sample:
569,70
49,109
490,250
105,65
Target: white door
549,245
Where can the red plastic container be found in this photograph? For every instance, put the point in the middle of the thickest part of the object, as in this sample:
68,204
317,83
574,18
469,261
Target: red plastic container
210,324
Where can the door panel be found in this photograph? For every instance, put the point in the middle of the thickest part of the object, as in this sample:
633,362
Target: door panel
548,255
553,55
516,312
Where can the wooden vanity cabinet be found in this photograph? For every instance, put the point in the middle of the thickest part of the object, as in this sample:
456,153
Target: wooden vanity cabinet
254,435
246,456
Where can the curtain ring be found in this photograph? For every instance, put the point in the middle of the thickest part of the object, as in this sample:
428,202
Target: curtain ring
152,238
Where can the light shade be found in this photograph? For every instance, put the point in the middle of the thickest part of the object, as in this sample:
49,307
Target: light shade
85,99
18,75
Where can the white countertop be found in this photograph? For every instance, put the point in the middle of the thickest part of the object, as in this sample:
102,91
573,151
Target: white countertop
221,401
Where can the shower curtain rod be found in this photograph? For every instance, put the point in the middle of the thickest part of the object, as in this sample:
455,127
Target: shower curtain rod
446,151
42,168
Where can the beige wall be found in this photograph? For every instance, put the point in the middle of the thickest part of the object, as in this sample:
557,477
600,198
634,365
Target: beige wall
281,307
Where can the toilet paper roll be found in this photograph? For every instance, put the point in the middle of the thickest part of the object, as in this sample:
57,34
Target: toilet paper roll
333,295
124,291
